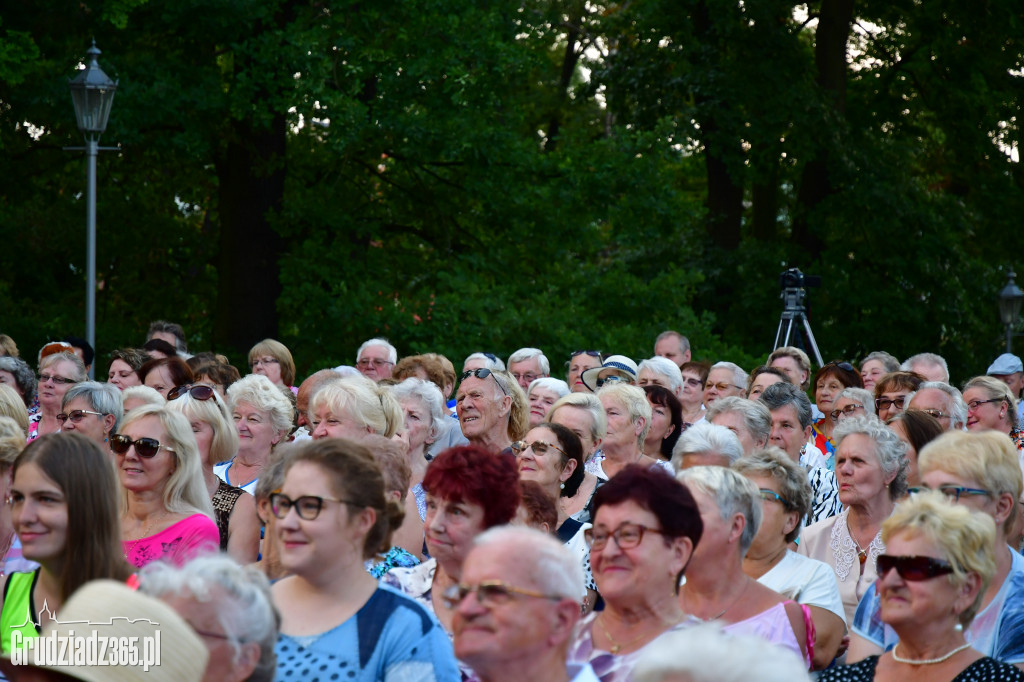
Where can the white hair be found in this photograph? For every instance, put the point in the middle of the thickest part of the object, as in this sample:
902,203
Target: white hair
862,396
665,368
756,416
551,565
890,450
958,414
556,386
732,492
104,398
524,354
739,376
147,394
383,343
427,393
491,361
925,359
705,437
261,393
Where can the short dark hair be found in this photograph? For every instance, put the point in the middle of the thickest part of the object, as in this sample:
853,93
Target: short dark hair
475,475
540,508
701,368
898,381
573,447
654,489
172,328
921,427
88,354
176,367
849,378
160,346
659,395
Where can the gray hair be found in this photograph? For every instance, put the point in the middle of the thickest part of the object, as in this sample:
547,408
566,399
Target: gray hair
705,437
492,362
551,566
732,493
528,354
241,596
383,343
427,393
104,398
781,393
589,403
261,393
23,375
794,485
665,368
756,416
860,395
888,361
634,399
958,413
739,376
684,343
890,450
925,359
147,394
66,356
556,386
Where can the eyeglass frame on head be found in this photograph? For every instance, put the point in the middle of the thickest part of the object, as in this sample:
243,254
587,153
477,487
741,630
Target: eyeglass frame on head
482,373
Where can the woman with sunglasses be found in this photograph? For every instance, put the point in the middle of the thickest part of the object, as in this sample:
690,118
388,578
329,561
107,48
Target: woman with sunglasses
63,505
829,383
335,618
992,406
579,362
932,579
93,410
57,373
166,514
217,440
979,471
263,418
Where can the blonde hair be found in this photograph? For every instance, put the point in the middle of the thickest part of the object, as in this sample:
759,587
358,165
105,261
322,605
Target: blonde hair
279,352
66,356
996,389
11,405
12,442
589,403
372,406
213,412
966,537
261,393
519,414
634,400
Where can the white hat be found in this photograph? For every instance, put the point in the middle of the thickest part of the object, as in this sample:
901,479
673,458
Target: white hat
618,365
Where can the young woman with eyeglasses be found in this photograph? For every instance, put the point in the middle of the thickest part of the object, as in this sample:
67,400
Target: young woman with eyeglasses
166,514
331,516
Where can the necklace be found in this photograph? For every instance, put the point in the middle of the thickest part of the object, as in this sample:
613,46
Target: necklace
616,647
145,533
722,612
928,661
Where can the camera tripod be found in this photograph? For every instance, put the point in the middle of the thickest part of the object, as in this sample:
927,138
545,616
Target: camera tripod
793,312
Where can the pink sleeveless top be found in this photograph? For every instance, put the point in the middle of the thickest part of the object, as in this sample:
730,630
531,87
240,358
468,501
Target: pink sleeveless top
773,625
194,535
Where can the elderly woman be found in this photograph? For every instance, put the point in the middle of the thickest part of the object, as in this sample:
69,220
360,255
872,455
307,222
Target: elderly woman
750,420
980,471
16,373
932,579
92,409
166,514
579,362
829,382
57,373
263,417
785,501
695,375
853,402
273,360
469,490
354,407
332,516
916,428
163,374
125,366
424,416
871,469
230,607
137,396
716,587
629,419
891,392
217,440
646,525
542,394
763,377
666,422
659,371
992,406
425,367
876,365
583,414
552,455
706,444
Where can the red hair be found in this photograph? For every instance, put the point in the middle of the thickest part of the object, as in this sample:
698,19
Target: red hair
474,475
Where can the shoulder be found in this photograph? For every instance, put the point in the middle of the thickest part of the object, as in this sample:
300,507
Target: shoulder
863,671
990,670
816,531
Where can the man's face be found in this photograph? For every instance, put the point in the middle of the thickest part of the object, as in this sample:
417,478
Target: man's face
648,377
302,401
930,372
786,432
935,402
791,368
375,363
482,408
734,422
669,348
1015,381
526,371
721,384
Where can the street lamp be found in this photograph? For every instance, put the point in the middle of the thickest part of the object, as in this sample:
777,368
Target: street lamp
1009,307
92,93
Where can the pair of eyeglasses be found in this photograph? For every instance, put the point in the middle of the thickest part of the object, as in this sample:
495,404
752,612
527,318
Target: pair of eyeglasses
199,392
308,507
721,385
144,447
76,416
529,376
938,414
847,411
913,568
971,406
538,446
482,373
953,492
43,378
264,361
490,593
591,353
769,495
885,403
610,379
692,382
366,363
626,536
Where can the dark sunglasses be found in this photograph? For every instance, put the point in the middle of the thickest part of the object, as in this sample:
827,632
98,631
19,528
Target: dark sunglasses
913,568
610,379
482,373
591,353
144,447
76,416
199,392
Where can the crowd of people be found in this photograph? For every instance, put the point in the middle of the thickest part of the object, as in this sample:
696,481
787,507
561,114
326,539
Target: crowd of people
651,519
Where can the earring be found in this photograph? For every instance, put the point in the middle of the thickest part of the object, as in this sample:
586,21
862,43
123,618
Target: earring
562,486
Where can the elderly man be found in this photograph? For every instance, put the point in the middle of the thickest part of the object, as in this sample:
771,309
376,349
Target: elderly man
1009,369
514,612
484,406
724,379
660,371
376,358
527,364
705,444
748,419
482,360
941,401
791,431
674,346
929,365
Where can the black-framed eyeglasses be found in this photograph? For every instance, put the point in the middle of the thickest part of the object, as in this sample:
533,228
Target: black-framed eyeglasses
885,403
43,378
482,373
769,495
76,416
913,568
626,536
538,446
975,404
846,411
308,507
197,391
490,593
953,492
144,447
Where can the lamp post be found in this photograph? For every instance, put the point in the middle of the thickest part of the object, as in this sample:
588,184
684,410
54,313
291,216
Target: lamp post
92,93
1009,307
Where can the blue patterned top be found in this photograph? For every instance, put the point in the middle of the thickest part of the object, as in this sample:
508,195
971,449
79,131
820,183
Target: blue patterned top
396,556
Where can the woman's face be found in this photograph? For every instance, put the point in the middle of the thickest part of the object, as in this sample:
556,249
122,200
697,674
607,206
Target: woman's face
986,415
418,424
51,392
92,426
140,474
577,366
859,472
450,528
848,408
541,400
268,366
328,424
159,379
693,388
39,513
661,427
122,375
870,372
622,432
936,479
256,434
579,421
892,403
8,378
826,391
762,382
547,468
776,519
204,438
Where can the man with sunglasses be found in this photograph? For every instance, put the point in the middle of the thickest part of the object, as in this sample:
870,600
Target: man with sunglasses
483,404
516,607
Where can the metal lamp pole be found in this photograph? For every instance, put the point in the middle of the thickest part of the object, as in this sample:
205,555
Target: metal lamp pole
1010,299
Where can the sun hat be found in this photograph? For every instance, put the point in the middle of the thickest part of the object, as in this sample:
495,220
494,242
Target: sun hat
617,365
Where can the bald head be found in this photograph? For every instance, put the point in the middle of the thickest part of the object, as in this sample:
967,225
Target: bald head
313,383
